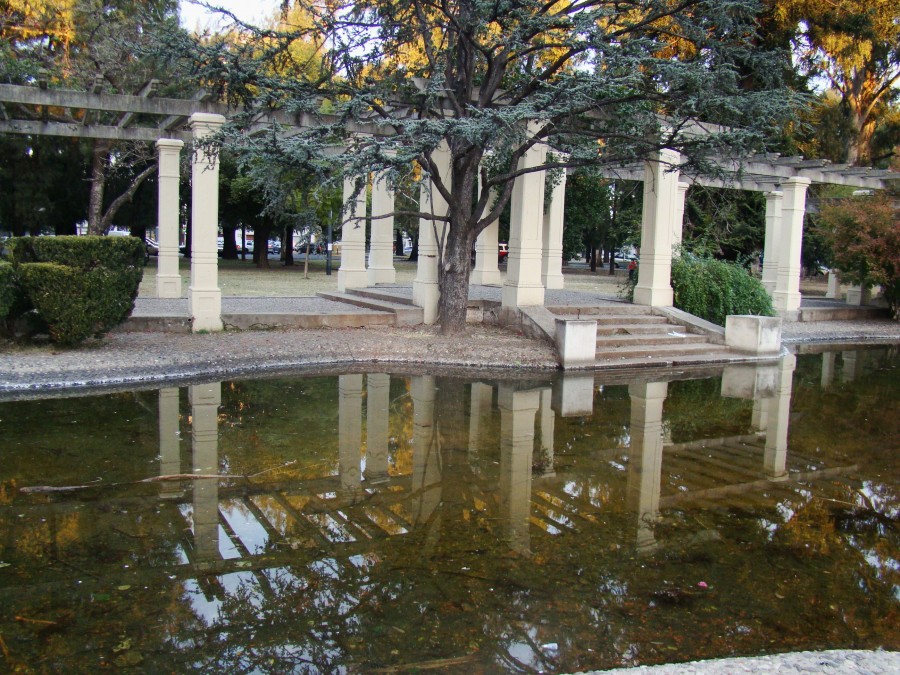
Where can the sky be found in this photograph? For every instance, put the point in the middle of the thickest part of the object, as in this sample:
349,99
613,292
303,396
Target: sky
251,11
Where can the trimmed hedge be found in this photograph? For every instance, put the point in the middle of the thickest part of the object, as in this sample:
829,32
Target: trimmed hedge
9,291
80,286
713,289
82,252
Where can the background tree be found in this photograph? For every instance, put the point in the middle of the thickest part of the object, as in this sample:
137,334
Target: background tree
853,46
594,81
865,238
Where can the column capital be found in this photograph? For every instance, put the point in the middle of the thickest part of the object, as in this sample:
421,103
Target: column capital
202,124
773,195
169,144
796,182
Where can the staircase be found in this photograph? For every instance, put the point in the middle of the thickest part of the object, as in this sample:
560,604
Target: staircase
631,335
402,310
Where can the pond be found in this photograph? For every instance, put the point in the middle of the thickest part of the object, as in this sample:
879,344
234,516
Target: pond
394,523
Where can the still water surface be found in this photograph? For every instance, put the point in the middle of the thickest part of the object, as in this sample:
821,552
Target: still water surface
383,523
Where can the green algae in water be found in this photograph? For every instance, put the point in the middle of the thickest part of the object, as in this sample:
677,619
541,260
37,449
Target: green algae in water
374,522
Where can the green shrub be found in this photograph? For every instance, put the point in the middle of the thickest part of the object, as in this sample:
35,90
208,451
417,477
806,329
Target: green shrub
80,286
77,304
713,289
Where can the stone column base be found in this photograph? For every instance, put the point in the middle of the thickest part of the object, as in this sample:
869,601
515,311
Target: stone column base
352,279
485,277
206,309
168,285
427,295
654,297
555,281
753,334
381,275
522,296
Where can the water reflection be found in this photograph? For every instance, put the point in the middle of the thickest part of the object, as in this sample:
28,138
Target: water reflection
423,522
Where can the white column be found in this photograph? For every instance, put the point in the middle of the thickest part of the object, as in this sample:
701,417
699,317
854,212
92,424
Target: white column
517,413
426,478
350,434
678,216
859,295
775,457
772,241
204,295
551,268
169,442
381,243
205,400
352,272
378,386
523,287
851,366
487,270
168,279
426,292
654,286
645,457
786,297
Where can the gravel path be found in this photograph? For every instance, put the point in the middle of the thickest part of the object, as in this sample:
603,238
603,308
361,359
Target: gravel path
123,358
833,662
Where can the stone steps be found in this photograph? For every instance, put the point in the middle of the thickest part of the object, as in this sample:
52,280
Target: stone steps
404,314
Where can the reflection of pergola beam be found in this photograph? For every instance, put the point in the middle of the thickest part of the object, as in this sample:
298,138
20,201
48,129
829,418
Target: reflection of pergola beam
757,485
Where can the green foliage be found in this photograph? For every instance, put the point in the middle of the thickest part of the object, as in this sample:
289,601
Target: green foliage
734,220
713,289
80,286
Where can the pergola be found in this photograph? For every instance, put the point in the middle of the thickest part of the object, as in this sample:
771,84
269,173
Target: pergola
535,246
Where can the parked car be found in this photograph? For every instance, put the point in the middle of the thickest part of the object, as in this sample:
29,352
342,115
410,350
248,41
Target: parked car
503,252
152,247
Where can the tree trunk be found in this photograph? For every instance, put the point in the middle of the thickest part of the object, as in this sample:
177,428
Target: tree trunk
99,157
414,251
287,246
398,242
229,247
454,280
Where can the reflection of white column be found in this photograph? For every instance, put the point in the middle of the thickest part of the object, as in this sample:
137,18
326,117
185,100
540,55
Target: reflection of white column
487,272
350,433
204,295
426,478
517,412
168,279
551,270
759,418
850,367
523,287
678,216
482,400
772,241
378,388
381,246
828,360
786,297
654,286
205,400
775,457
426,292
352,272
169,441
573,394
645,456
548,419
